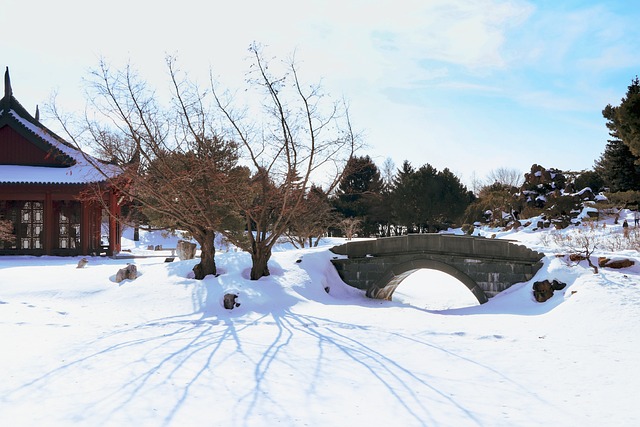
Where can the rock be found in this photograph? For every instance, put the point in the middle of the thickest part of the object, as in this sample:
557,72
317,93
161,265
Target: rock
577,257
618,263
542,291
561,223
229,301
82,263
130,272
185,250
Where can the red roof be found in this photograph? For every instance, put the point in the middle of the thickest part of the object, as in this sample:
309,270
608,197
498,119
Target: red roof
31,153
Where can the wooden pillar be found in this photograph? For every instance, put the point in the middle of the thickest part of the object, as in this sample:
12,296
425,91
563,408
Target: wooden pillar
96,227
93,218
85,228
49,223
114,232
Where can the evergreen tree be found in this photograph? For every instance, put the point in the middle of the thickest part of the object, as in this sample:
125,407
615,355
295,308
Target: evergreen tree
618,167
402,200
591,179
359,193
454,197
428,200
623,121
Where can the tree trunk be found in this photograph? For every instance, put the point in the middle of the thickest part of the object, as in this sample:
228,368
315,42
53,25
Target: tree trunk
259,259
207,263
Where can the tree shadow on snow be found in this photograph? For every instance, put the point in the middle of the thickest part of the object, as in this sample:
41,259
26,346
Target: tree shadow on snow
179,359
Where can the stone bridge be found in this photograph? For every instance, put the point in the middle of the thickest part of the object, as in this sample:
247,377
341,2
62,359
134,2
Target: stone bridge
486,266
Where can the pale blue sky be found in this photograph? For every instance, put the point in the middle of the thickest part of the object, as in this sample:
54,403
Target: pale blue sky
471,85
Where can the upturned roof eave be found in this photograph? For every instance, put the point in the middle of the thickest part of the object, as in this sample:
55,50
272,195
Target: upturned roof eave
9,104
70,158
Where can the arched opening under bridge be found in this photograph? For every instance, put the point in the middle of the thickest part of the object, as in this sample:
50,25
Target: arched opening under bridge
432,289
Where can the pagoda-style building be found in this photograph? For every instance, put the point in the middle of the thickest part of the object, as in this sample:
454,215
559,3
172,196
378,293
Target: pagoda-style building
44,188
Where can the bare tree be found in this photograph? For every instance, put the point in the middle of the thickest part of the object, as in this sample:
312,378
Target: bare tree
349,227
168,160
505,176
314,220
581,245
476,183
388,172
299,136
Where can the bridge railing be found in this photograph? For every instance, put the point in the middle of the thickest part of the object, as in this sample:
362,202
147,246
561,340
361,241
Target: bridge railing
448,244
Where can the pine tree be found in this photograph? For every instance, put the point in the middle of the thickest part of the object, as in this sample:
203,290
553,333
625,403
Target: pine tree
618,167
426,199
454,196
359,194
402,197
623,121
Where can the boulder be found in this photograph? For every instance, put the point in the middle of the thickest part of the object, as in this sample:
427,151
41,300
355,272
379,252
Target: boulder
543,290
561,223
229,301
616,263
557,285
130,272
513,225
185,250
577,257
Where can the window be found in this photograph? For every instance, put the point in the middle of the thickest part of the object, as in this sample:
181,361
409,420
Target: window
69,225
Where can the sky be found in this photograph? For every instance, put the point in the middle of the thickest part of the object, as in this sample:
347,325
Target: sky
469,85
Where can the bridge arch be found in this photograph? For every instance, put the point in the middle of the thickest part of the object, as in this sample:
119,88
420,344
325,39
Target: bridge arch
391,279
486,266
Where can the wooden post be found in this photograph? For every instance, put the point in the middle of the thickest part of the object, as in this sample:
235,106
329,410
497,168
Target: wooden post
85,227
49,223
96,231
114,224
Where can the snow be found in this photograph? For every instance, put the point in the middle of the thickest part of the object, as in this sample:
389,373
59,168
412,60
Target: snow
76,174
160,350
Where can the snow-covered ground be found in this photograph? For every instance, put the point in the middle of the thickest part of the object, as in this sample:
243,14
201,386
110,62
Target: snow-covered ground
80,349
